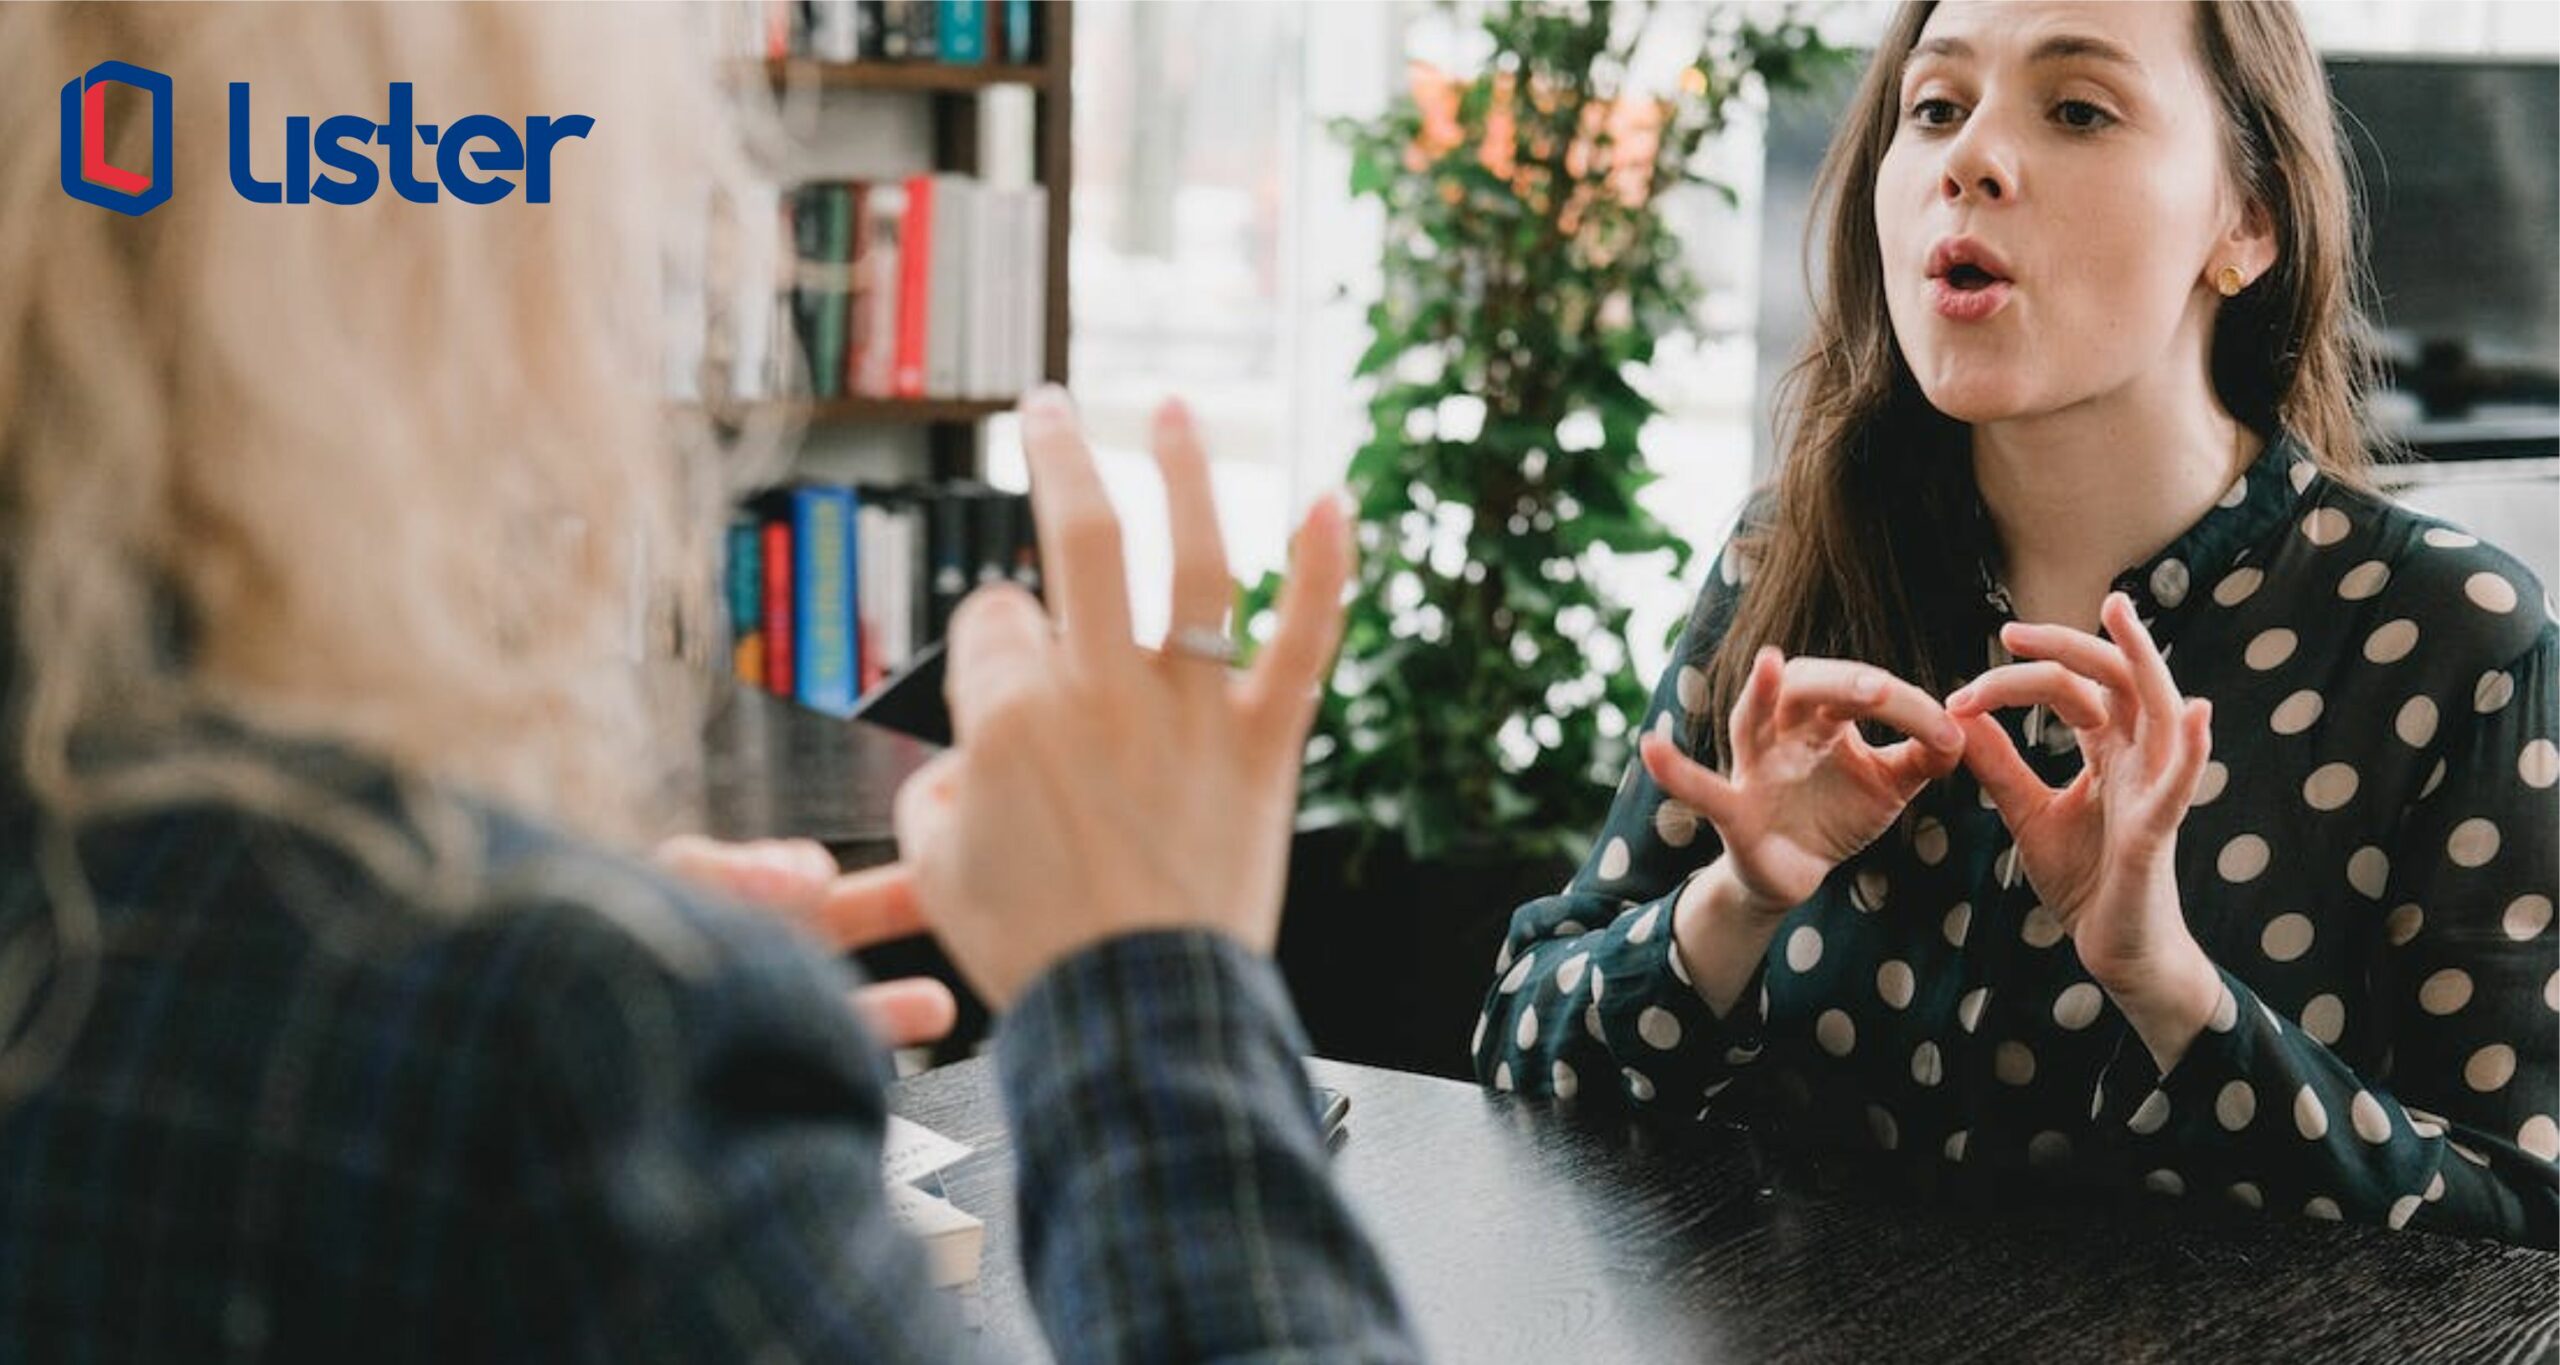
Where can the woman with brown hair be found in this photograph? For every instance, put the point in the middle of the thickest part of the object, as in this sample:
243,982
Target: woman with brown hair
2270,927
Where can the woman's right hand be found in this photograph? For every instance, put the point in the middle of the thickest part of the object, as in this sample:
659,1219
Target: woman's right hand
1807,791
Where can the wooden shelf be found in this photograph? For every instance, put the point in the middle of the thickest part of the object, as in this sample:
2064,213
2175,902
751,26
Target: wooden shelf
931,77
908,411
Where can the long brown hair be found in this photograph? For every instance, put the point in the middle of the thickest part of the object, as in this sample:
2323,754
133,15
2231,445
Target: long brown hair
1869,541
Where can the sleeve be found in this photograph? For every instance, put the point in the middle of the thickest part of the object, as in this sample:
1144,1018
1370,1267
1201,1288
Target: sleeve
1175,1201
1590,1000
2456,1131
693,1157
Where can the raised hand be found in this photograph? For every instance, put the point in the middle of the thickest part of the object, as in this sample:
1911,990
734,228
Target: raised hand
1096,789
2101,852
799,880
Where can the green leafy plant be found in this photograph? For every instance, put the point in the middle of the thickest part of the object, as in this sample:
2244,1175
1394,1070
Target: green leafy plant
1484,689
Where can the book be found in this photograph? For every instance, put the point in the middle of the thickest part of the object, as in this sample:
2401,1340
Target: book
915,276
963,31
878,286
823,591
746,601
912,1160
947,280
778,658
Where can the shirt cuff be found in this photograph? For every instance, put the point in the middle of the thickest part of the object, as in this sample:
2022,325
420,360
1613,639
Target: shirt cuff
1655,1024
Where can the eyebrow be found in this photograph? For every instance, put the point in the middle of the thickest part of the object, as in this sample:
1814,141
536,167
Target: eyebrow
2060,47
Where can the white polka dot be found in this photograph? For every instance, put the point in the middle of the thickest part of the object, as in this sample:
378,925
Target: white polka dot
2526,916
1526,1035
2540,1136
1572,928
2041,928
1692,689
2364,580
2490,1068
1959,919
1642,930
1569,975
2004,868
2369,872
2403,924
2551,993
2296,713
2490,592
1676,823
2424,1124
1601,979
2472,844
1929,841
2270,648
2392,641
2077,1006
2322,1207
2236,494
2164,1181
1591,1023
2330,786
1888,1134
1502,1077
2048,1149
2403,1209
1664,726
2366,1115
1894,983
2435,1187
1659,1028
2286,937
1519,973
2014,1063
2301,474
2325,526
2235,1106
2416,723
2495,690
2325,1019
1639,1085
2169,582
1868,890
2236,586
2539,764
2151,1115
2242,859
1954,1147
1835,1032
2210,782
2246,1195
1614,860
1927,1067
2445,991
2447,538
1566,1084
2434,780
2309,1115
2226,1013
1804,948
1969,1009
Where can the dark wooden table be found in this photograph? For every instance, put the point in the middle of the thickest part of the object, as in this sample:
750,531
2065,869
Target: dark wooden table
1519,1234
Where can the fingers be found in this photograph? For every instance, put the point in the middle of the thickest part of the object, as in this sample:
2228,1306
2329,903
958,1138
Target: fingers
1281,690
999,648
2080,703
1080,554
776,874
921,811
1912,764
2151,680
2082,653
1755,713
1865,692
1202,587
877,905
1686,780
2014,787
908,1012
2196,730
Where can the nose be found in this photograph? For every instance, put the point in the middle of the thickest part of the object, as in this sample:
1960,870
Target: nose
1978,164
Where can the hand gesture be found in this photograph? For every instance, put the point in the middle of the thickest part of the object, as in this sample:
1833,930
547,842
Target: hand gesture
1807,791
1096,789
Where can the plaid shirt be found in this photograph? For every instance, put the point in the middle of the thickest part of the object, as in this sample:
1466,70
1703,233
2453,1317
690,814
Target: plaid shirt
598,1118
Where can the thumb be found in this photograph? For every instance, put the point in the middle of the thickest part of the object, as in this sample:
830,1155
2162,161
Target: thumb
2014,787
1687,780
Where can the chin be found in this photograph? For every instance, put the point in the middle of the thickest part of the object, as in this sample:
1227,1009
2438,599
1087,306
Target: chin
1976,396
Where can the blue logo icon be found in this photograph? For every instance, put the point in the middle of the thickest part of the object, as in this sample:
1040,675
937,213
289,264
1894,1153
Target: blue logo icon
87,175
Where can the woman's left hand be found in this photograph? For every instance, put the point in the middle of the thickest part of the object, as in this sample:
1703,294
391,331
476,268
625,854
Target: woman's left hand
2101,852
799,880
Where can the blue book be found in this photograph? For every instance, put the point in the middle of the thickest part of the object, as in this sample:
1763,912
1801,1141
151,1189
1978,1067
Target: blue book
1017,32
964,30
824,671
746,601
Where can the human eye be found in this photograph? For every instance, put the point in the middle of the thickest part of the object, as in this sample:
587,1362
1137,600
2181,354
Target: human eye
1936,111
2081,116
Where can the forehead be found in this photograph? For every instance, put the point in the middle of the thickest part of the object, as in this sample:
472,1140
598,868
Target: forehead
2157,34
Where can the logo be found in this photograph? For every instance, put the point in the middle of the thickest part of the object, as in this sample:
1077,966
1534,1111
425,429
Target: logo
87,175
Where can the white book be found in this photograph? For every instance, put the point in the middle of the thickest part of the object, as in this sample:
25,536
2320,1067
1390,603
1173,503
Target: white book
1032,251
835,30
876,277
946,308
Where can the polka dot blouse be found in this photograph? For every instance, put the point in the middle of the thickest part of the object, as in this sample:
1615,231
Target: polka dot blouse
2369,861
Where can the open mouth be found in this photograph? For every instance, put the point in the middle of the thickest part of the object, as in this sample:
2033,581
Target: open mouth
1968,278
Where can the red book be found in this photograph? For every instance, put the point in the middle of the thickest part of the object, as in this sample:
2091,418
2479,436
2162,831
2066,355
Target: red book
915,286
778,677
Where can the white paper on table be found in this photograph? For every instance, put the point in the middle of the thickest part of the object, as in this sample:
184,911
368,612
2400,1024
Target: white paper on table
911,1151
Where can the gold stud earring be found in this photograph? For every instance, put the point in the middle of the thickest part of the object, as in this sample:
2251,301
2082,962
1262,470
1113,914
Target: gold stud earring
2229,280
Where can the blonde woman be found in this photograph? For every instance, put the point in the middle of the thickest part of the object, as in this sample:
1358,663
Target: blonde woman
341,1019
2215,861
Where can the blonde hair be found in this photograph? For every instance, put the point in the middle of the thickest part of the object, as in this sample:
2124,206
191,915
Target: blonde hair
400,476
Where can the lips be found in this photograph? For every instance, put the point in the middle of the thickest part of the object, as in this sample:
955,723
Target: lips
1967,264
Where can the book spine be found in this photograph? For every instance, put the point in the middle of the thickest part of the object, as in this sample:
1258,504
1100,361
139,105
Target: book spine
897,35
963,31
827,308
746,602
871,545
880,275
1032,251
947,554
778,660
1021,36
924,30
947,285
990,537
915,279
822,615
851,304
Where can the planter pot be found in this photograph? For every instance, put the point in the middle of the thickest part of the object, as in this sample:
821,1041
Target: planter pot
1391,969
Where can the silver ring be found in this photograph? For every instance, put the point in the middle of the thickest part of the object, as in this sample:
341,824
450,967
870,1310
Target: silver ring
1202,642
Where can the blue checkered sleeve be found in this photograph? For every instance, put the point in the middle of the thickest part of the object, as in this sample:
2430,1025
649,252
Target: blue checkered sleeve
1175,1202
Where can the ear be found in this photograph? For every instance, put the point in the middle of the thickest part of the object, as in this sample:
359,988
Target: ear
2249,243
